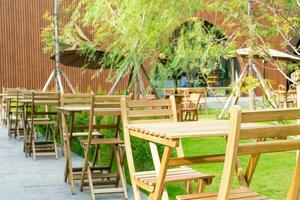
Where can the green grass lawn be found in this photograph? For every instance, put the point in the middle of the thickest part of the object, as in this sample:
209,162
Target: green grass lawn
271,178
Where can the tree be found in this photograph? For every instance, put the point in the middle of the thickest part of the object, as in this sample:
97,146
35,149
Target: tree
138,33
132,33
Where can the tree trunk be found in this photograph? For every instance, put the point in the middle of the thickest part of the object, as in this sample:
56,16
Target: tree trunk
141,84
265,87
116,84
150,81
129,81
234,93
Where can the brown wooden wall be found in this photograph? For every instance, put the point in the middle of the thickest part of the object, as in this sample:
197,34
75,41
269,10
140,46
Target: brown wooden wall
22,61
23,64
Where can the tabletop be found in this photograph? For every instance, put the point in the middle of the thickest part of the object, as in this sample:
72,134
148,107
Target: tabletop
48,102
104,111
176,130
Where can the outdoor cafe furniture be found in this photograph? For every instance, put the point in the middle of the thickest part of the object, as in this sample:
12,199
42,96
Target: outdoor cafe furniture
14,111
236,148
192,105
169,135
82,100
39,108
109,106
159,112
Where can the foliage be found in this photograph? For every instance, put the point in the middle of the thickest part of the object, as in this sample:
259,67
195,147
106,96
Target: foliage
197,49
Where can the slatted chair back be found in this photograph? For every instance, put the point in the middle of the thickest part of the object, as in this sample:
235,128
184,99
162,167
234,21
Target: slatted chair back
105,105
76,99
44,99
147,111
109,101
235,148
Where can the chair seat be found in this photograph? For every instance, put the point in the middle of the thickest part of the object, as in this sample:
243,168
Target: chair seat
243,194
42,121
102,141
173,175
85,134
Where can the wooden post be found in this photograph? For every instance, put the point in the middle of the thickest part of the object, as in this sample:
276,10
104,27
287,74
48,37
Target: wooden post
57,48
295,76
251,59
298,106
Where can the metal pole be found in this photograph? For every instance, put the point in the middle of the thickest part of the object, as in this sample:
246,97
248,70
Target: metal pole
57,47
250,59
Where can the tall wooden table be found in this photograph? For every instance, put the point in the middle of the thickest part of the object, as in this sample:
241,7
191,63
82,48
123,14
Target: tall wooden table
74,173
169,134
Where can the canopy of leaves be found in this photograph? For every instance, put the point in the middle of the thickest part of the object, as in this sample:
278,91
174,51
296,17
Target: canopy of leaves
135,32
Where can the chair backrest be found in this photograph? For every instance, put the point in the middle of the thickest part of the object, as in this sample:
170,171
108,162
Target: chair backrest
108,101
44,99
169,91
235,148
76,99
143,111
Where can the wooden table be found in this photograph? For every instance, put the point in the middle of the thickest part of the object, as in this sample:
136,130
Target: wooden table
169,134
70,171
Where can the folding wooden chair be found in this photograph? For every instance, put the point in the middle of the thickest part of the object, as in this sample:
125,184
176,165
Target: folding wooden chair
41,106
104,106
14,111
147,111
77,100
3,106
192,106
75,130
235,148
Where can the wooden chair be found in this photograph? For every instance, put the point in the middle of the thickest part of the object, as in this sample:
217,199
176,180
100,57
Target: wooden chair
3,107
14,111
235,149
192,106
169,91
281,96
77,131
42,105
291,98
77,100
147,111
104,106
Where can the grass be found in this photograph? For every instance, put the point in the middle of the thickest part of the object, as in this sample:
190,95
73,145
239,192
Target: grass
271,178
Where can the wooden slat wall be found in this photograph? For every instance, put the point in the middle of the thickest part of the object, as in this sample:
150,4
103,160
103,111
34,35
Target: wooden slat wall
22,61
23,64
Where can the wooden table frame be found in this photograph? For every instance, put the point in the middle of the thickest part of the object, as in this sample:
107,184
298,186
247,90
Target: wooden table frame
169,134
70,171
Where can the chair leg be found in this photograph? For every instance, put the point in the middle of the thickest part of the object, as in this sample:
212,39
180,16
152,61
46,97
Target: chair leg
117,151
90,182
33,150
201,185
54,141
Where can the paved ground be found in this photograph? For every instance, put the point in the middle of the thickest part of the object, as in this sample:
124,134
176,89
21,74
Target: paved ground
25,179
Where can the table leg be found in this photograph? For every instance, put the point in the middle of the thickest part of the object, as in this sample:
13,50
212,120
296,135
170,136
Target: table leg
156,163
68,167
130,162
294,190
251,167
162,174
